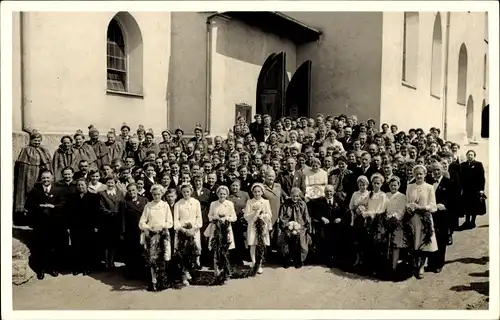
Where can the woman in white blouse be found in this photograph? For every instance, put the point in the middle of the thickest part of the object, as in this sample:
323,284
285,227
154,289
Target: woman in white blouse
316,181
221,210
255,209
155,221
395,212
293,136
187,224
357,206
421,202
376,205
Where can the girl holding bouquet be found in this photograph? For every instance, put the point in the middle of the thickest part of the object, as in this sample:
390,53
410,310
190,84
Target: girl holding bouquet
187,224
295,224
220,233
154,223
391,223
258,215
376,206
420,203
357,206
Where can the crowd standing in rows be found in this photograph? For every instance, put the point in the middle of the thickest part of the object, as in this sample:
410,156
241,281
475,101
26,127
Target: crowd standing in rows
325,190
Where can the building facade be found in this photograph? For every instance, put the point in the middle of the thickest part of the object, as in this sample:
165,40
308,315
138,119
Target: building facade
168,70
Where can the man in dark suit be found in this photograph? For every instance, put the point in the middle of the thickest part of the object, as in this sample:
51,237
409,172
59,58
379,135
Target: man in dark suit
347,140
328,221
83,227
292,178
110,221
366,168
44,205
83,170
473,181
445,196
205,197
130,211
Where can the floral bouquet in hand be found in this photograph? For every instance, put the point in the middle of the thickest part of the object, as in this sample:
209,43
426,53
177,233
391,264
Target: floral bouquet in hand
188,229
293,228
361,209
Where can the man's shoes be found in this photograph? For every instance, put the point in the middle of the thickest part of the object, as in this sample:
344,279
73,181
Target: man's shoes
450,240
86,272
287,264
40,275
54,273
299,265
75,273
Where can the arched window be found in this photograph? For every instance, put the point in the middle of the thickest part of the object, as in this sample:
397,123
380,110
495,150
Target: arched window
410,48
462,75
485,72
117,59
437,40
124,54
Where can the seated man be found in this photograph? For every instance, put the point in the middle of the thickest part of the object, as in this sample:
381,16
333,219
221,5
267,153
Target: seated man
328,225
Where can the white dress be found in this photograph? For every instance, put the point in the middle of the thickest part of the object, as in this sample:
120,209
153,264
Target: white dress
423,195
155,217
315,183
217,208
358,198
377,204
396,204
252,209
188,211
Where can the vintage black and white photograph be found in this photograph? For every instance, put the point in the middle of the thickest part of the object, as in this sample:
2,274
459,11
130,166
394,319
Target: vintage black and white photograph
250,159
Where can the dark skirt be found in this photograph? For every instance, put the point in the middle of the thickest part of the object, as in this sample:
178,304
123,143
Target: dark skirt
473,204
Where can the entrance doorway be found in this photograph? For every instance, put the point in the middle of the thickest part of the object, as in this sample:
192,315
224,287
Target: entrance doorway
277,95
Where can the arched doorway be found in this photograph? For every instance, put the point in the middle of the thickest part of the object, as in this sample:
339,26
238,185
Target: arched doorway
469,118
485,121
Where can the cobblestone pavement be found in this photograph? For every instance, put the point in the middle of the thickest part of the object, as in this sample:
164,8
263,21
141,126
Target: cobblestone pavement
463,284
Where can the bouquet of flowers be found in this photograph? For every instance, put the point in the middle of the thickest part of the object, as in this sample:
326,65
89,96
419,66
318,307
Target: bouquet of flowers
189,231
361,209
293,228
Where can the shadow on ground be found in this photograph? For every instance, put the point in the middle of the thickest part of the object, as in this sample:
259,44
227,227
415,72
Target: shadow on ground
481,261
480,287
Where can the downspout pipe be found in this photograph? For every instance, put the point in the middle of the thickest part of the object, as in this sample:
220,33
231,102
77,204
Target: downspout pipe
208,74
24,120
446,62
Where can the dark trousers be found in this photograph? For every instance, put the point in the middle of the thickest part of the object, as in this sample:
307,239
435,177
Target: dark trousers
83,248
240,252
49,243
441,227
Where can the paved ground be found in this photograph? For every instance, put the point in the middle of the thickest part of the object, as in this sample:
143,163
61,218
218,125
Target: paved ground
463,284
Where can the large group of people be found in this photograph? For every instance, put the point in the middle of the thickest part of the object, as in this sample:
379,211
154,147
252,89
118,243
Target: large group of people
324,190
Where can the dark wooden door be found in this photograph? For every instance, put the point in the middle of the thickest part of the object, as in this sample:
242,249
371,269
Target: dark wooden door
298,92
271,86
485,122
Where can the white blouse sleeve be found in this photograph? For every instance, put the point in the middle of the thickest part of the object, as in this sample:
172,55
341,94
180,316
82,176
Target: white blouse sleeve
143,221
198,222
211,211
177,221
232,212
249,215
431,206
351,203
